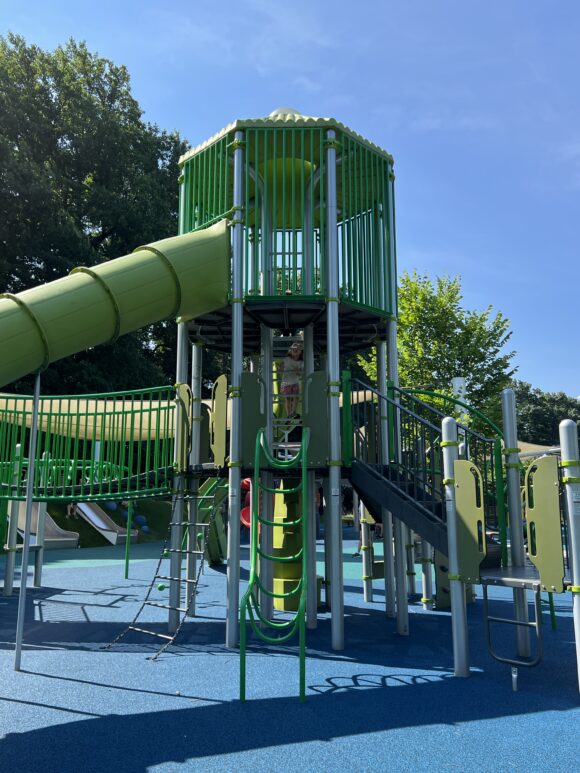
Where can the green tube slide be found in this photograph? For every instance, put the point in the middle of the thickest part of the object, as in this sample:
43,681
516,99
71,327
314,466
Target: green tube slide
180,277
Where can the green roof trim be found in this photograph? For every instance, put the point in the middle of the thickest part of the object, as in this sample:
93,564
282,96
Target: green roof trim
285,118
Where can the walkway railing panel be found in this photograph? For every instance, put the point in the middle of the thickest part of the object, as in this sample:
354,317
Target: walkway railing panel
90,447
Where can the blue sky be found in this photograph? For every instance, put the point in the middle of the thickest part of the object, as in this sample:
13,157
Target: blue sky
478,102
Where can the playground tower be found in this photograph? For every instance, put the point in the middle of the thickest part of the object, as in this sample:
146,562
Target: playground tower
311,209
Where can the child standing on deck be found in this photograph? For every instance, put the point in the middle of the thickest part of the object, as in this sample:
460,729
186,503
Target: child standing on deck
292,371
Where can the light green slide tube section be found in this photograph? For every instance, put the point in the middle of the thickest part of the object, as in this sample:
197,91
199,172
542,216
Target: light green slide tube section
180,277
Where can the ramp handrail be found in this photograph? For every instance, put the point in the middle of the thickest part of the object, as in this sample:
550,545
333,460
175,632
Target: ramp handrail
415,461
250,606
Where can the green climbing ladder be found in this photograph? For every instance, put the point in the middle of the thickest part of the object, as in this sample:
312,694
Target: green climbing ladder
250,605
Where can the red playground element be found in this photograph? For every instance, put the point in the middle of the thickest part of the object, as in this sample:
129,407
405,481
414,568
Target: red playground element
246,516
246,511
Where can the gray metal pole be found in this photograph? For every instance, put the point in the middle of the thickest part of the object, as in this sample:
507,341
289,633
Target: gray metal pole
194,459
12,539
40,529
367,558
267,532
333,370
456,586
410,548
40,540
178,509
233,592
400,560
516,523
327,540
312,590
571,464
388,558
427,574
28,523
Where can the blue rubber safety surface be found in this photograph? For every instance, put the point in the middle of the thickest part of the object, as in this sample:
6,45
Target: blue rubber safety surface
385,703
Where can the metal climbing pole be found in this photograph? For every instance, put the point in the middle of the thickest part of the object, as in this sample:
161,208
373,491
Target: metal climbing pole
389,565
27,525
235,394
516,524
333,370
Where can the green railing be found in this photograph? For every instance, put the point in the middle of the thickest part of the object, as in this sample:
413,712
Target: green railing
484,451
90,447
415,460
284,212
367,265
250,605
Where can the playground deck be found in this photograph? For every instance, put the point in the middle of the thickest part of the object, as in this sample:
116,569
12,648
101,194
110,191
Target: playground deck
386,702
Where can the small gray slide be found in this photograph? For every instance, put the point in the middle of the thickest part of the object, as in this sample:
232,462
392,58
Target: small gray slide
100,521
54,537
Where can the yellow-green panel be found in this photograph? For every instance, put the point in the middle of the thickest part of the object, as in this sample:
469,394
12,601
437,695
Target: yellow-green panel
469,503
545,548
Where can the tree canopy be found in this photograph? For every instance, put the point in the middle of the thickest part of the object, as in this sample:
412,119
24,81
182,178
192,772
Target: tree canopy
439,339
82,179
540,413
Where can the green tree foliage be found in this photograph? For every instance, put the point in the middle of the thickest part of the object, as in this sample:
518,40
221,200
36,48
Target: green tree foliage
439,339
540,413
82,179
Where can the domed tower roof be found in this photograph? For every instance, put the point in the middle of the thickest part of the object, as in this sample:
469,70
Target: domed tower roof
285,117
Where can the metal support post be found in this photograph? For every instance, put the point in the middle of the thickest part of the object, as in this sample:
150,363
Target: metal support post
266,534
233,592
12,537
40,541
427,574
310,494
40,532
410,549
388,558
516,524
194,459
178,509
400,559
333,371
366,547
450,448
27,525
571,480
327,540
355,511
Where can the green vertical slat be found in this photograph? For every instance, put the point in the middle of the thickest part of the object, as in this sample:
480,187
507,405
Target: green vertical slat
259,204
283,224
246,282
322,266
294,286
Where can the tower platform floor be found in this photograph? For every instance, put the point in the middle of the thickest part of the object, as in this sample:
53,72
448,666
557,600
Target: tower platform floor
385,703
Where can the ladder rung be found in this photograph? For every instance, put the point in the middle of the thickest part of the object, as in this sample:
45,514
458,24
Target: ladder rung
178,579
187,552
165,606
152,633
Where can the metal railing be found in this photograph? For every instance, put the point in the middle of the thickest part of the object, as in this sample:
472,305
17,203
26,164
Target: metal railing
415,458
90,447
